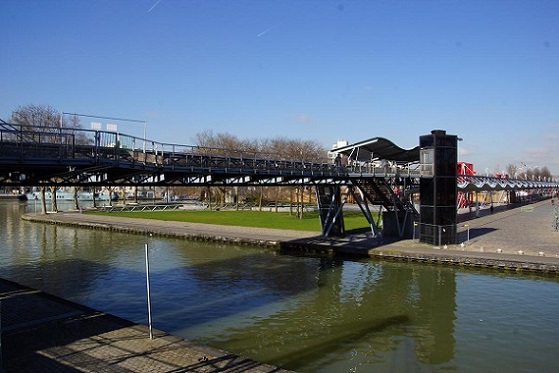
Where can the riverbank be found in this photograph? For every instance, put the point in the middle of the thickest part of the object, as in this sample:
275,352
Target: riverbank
519,239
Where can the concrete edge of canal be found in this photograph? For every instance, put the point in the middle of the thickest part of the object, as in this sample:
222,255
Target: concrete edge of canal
358,246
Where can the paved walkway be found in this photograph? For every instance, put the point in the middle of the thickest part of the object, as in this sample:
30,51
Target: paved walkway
41,333
521,235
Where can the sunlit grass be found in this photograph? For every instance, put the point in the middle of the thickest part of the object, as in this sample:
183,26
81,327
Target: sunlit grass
259,219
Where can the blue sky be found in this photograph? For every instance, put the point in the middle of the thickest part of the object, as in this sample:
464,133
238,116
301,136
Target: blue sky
487,70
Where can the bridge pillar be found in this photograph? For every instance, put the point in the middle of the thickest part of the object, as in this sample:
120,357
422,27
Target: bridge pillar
397,224
437,188
330,208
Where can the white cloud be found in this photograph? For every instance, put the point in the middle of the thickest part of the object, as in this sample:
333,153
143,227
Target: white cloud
304,118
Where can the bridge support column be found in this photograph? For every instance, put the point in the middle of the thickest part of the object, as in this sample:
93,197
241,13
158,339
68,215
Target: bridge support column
438,189
330,208
397,224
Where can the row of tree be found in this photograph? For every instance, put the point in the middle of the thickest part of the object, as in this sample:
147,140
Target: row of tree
528,173
281,148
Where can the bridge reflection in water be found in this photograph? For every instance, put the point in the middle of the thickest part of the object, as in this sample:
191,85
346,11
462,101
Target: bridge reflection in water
361,311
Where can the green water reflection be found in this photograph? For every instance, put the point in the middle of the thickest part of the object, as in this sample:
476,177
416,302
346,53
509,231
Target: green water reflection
355,315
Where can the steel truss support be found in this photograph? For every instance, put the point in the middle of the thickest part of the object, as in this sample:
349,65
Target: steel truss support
330,208
364,206
331,199
397,212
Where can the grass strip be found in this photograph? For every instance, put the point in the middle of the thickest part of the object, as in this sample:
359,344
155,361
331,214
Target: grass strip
259,219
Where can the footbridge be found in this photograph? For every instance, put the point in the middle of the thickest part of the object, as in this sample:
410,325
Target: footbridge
371,173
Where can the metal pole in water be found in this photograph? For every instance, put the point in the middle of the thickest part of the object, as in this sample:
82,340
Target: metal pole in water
149,293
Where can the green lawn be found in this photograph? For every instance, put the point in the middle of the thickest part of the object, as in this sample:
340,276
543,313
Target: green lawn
354,221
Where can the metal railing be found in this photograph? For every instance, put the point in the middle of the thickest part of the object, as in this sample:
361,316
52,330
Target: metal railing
26,142
49,146
136,208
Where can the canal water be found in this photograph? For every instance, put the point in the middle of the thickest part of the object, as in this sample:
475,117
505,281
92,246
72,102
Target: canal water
306,313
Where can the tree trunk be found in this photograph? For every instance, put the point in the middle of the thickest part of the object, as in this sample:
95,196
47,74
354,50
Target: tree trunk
54,202
237,198
110,191
291,202
297,202
44,199
76,202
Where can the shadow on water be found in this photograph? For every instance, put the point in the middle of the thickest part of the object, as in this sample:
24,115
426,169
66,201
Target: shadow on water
347,333
34,321
358,231
243,293
205,294
42,342
195,293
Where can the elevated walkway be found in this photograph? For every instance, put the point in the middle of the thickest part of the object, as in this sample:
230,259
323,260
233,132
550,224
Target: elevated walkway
374,172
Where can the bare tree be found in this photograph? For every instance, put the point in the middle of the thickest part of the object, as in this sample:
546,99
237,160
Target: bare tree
36,116
545,173
295,149
49,119
512,170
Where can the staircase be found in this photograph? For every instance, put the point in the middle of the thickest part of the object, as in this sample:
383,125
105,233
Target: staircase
379,192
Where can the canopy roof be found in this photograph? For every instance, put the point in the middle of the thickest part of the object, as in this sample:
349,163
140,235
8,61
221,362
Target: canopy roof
379,148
